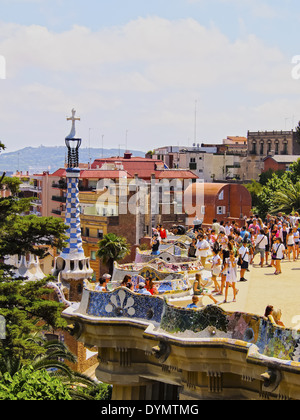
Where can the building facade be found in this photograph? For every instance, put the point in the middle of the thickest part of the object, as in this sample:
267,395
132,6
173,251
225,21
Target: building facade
263,144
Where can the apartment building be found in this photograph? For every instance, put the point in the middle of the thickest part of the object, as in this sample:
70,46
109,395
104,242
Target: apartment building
110,195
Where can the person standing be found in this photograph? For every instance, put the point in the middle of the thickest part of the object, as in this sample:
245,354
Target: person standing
216,269
202,249
192,248
230,269
260,246
244,259
278,250
155,245
290,243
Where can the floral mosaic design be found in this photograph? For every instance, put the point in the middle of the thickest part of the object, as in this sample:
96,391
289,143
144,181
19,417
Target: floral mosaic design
122,303
271,341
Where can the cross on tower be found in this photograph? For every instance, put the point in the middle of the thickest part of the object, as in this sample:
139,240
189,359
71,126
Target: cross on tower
73,119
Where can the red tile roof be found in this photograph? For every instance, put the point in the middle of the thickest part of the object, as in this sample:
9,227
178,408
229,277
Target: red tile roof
94,173
175,174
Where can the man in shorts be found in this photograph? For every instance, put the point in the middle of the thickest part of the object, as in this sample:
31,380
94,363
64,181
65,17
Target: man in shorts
260,246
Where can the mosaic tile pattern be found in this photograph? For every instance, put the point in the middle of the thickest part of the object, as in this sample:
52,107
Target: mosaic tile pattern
122,303
269,340
72,218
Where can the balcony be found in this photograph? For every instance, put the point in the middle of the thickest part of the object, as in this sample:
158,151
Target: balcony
57,212
58,198
62,185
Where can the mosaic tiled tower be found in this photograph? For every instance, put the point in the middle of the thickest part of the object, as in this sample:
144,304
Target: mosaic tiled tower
72,218
72,266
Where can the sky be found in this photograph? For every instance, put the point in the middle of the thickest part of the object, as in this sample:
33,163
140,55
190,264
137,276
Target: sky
147,74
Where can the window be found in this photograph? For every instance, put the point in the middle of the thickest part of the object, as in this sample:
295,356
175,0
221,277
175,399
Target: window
221,195
262,148
93,255
203,209
221,210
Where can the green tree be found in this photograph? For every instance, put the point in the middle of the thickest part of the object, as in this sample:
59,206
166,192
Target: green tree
112,248
295,171
255,189
287,200
23,304
30,384
52,358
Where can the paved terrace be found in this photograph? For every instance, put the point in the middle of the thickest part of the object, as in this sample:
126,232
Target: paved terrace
264,288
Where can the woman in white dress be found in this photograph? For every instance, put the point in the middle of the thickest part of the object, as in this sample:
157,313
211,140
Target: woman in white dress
230,269
216,268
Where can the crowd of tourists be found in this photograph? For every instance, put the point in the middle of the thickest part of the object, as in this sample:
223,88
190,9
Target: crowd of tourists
227,247
229,250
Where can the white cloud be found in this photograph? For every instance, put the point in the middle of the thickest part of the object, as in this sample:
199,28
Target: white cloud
144,76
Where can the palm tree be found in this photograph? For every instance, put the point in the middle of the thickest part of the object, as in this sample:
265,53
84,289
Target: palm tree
51,360
288,200
112,248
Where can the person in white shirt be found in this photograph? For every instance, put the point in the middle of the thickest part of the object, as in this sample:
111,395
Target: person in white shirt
260,246
244,254
228,228
202,249
101,286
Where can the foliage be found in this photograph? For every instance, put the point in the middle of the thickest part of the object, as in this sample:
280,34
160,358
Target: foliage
287,201
26,311
281,193
24,305
102,392
264,177
112,248
255,188
31,384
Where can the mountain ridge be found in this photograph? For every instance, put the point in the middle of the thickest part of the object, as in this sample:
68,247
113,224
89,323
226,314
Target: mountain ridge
44,158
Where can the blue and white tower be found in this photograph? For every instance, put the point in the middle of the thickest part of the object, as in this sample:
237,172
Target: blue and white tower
72,266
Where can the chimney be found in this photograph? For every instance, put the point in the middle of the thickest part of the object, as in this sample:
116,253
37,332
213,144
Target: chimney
127,155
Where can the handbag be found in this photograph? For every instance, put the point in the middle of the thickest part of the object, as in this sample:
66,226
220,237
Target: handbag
257,246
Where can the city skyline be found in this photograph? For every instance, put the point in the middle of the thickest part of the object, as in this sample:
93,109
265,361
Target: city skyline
147,74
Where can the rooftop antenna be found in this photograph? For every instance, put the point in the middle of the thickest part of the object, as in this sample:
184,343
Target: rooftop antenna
195,122
90,147
126,140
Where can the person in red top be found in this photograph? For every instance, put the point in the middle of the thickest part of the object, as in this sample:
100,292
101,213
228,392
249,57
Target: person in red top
150,286
162,232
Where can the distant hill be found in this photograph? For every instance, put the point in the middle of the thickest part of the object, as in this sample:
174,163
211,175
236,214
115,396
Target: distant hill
38,159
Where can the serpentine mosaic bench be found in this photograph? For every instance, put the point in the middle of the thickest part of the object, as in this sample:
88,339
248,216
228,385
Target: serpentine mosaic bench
167,256
173,285
262,338
157,270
